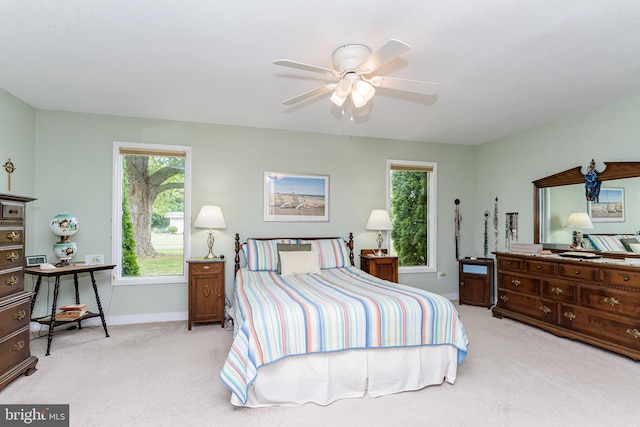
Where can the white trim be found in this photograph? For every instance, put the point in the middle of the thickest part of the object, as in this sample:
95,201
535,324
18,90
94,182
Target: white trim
116,216
433,214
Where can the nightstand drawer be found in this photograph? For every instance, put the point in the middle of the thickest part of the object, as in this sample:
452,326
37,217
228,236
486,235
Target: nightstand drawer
206,267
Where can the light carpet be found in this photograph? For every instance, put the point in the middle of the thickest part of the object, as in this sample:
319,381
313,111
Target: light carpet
161,374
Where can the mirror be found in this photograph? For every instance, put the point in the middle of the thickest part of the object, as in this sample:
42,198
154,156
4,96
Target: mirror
556,196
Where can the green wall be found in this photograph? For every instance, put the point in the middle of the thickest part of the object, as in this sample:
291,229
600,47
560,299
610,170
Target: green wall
73,164
507,167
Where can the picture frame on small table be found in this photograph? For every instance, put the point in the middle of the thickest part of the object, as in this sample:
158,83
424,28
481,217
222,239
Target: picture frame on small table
35,260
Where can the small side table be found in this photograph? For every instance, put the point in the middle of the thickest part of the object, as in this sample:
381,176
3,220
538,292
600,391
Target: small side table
206,291
476,282
57,273
384,267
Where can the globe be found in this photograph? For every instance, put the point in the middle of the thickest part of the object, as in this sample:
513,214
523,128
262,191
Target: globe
64,225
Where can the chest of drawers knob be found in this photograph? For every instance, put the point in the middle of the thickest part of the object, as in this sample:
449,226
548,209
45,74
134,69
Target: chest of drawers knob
612,301
12,256
19,315
516,282
569,315
633,332
12,280
545,309
556,290
18,346
504,298
13,236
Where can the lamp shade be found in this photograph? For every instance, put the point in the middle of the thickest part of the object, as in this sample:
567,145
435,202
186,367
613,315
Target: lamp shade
579,220
210,216
379,220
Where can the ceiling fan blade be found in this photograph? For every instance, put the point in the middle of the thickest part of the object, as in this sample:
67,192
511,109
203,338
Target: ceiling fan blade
309,94
307,67
387,52
406,85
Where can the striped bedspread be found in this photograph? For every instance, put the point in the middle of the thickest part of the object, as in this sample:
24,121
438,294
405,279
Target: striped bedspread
341,308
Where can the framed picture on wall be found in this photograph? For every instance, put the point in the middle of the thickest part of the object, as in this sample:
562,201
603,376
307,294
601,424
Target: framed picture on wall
609,207
296,197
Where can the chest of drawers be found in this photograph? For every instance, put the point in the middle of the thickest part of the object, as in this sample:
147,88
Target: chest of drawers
15,302
597,303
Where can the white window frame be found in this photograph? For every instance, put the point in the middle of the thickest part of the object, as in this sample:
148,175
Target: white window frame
432,232
116,222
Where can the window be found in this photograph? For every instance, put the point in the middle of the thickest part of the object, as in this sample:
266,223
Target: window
151,225
411,189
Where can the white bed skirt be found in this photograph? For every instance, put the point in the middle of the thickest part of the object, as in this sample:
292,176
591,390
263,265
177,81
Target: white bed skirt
325,378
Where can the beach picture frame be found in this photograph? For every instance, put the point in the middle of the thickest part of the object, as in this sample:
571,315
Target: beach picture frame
609,206
296,197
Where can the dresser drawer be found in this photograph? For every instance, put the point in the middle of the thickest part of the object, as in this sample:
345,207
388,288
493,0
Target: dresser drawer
10,210
11,281
611,300
606,326
582,272
11,257
14,348
519,283
528,305
14,316
621,277
11,236
206,267
559,290
514,264
540,267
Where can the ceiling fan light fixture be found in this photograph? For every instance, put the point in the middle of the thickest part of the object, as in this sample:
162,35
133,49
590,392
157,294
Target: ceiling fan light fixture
358,100
365,90
337,99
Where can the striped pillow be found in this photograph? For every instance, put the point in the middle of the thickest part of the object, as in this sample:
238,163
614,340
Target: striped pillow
262,255
602,242
333,253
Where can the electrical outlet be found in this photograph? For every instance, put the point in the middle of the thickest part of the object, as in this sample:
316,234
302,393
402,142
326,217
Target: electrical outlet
441,274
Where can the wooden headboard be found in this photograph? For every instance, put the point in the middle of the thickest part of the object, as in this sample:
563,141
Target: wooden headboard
239,246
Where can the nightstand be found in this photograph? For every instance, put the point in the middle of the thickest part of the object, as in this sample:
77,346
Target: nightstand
384,267
476,282
206,291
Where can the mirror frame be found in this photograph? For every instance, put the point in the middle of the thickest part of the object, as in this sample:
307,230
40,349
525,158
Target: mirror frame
613,170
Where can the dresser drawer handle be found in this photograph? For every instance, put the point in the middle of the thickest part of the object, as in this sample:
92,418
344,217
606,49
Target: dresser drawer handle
18,346
545,309
633,332
13,236
613,301
11,281
206,290
577,272
516,282
206,267
625,278
539,267
14,211
12,256
569,315
556,290
21,314
504,298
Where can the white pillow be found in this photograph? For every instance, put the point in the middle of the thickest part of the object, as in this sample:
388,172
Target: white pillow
635,247
299,262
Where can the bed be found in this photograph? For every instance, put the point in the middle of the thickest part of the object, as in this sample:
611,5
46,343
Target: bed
311,327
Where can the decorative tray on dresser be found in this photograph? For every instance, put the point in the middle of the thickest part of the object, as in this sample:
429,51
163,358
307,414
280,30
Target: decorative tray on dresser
587,300
15,302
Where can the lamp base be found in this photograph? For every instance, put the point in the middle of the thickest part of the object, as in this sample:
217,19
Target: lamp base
210,241
379,241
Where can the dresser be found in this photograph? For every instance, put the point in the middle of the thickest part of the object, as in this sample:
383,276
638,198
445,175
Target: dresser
383,267
206,291
590,301
15,302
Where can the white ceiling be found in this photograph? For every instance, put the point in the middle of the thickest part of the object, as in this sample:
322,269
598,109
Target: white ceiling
503,65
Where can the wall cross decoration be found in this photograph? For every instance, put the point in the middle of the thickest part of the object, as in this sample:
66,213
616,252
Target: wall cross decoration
9,167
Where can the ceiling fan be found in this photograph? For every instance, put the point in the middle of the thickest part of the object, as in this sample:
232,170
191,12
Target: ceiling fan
354,65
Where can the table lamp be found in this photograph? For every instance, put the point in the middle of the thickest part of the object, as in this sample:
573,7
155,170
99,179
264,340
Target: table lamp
578,221
379,220
210,217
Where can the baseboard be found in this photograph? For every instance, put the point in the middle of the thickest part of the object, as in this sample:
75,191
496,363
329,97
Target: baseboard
452,297
128,319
